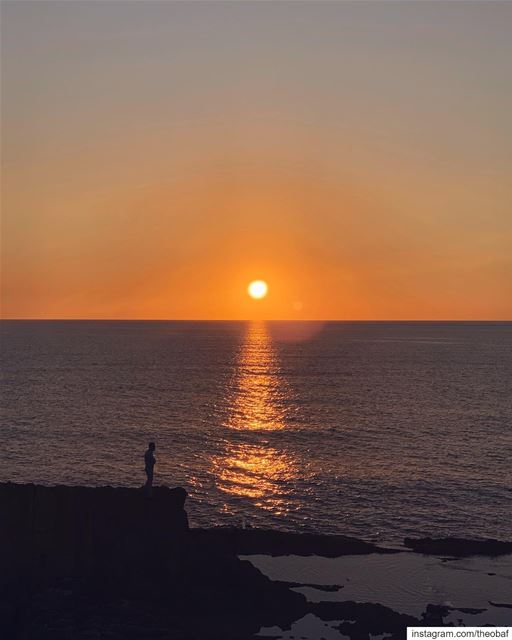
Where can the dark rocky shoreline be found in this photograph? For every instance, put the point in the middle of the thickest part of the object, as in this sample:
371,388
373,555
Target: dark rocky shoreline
278,543
80,563
458,547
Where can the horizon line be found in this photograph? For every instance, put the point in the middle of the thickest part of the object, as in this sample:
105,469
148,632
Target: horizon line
255,320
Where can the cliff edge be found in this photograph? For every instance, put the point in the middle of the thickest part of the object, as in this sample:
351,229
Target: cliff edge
80,562
64,532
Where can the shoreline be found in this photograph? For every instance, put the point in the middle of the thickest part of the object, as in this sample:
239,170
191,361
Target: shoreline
115,562
273,541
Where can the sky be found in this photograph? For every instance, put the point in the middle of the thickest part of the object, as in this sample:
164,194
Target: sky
158,156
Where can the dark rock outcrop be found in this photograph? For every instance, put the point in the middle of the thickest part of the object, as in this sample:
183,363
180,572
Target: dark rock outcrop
106,562
81,563
362,619
50,533
505,605
281,543
434,615
458,547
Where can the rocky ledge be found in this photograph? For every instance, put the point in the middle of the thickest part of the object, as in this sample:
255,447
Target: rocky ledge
279,543
458,547
81,563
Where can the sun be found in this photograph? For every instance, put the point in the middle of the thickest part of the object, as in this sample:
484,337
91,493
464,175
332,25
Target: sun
257,289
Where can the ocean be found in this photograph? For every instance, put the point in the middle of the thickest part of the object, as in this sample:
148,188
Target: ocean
379,430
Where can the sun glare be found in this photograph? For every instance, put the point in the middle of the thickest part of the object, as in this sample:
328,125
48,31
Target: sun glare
257,289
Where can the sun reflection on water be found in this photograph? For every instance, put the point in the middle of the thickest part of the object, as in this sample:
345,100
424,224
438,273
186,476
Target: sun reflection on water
260,473
250,467
257,399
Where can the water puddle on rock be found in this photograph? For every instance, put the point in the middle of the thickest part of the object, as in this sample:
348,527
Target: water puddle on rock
404,582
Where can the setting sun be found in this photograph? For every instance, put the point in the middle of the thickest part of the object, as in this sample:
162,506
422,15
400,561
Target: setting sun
257,289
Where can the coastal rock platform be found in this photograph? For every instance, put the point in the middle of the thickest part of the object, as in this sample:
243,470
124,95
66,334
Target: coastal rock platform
81,563
458,547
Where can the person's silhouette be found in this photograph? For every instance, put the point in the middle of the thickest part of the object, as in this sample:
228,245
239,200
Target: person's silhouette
149,464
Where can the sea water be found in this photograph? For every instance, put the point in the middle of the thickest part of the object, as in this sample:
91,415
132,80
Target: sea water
375,429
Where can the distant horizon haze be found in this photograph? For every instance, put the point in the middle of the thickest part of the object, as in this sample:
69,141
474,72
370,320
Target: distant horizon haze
263,320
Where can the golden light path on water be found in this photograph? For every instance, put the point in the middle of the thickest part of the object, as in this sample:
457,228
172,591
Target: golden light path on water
258,389
257,403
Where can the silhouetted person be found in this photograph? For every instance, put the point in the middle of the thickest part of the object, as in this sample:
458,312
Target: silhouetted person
149,464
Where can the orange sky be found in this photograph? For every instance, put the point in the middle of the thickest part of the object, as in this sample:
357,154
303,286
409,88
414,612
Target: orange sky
160,156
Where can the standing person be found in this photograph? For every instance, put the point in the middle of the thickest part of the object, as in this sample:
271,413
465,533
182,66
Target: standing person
149,464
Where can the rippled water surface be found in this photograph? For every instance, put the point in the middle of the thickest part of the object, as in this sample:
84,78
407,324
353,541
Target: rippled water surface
405,582
379,430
